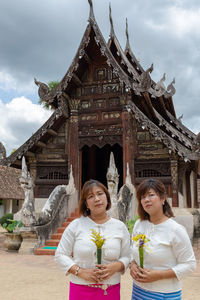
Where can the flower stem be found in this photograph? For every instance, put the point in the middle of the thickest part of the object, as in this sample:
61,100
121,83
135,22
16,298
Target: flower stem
99,252
141,254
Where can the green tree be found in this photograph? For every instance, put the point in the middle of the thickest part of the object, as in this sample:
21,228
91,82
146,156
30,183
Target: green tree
51,84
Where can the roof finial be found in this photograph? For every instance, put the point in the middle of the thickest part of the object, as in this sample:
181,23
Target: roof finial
91,10
112,33
127,36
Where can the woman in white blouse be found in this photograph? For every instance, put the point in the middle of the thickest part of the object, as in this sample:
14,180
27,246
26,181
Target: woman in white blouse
76,252
168,255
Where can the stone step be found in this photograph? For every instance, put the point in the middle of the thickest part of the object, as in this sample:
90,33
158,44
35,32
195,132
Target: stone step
60,229
69,219
43,251
56,236
50,246
65,224
52,242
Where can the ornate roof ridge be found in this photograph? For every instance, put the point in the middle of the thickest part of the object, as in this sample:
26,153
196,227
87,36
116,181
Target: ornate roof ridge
174,131
100,41
158,134
33,139
182,126
113,38
129,50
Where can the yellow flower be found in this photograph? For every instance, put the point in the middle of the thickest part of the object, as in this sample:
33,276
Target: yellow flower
140,238
97,239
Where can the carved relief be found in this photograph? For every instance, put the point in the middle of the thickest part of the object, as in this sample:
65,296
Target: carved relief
85,104
100,74
89,117
74,104
112,115
94,131
99,103
100,141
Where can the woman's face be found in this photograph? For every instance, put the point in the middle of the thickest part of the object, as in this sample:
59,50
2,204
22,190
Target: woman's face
96,200
152,203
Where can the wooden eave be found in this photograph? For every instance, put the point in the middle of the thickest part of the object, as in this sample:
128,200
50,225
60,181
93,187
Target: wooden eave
119,55
40,136
159,105
170,106
133,60
157,132
176,134
182,128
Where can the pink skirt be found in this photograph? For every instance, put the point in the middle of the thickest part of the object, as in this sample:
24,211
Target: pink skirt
78,291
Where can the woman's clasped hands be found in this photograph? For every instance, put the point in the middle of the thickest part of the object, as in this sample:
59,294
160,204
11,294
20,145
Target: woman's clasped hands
143,275
99,273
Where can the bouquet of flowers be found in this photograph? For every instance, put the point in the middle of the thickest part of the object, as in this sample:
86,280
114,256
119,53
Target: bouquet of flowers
141,240
98,239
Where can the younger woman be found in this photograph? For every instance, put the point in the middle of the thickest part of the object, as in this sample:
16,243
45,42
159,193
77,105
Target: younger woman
168,255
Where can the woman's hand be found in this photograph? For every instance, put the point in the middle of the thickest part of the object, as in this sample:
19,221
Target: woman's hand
90,275
106,271
134,269
146,275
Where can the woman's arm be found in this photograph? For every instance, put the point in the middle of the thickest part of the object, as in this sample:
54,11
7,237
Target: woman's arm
63,255
186,262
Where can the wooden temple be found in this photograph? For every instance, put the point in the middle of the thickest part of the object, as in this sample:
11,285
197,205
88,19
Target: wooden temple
106,102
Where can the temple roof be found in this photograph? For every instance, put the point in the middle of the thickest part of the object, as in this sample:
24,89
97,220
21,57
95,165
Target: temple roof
38,139
150,102
10,184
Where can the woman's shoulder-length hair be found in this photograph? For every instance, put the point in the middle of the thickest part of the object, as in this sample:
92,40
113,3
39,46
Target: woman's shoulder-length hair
159,188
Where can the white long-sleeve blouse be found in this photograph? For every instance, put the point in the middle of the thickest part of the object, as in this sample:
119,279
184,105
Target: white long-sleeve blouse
169,248
76,247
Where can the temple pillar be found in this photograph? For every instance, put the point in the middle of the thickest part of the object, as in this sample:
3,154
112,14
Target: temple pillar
174,182
72,142
127,140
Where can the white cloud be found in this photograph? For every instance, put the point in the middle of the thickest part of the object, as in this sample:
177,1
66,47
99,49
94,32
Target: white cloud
178,21
184,21
8,82
20,118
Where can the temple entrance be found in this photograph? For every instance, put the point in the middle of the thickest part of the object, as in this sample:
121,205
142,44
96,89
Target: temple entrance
95,162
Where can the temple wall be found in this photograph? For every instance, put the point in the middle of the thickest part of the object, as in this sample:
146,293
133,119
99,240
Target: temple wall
192,188
184,192
198,190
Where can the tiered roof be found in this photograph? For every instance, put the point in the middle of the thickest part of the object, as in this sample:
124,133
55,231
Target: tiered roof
150,102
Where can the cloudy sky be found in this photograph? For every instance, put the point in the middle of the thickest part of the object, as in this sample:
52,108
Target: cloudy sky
39,39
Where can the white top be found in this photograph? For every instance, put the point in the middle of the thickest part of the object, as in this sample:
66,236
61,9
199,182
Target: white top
169,248
76,241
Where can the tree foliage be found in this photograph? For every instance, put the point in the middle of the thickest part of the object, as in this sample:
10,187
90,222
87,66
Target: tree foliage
51,84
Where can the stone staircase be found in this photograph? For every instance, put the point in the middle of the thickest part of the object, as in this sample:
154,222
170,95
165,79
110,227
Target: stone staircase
50,246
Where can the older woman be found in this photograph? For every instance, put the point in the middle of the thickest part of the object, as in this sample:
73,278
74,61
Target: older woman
168,255
76,252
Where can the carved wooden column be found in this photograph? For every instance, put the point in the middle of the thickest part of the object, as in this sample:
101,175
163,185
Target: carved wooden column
72,147
127,139
174,182
33,173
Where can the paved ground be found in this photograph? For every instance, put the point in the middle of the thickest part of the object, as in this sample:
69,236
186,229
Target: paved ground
30,277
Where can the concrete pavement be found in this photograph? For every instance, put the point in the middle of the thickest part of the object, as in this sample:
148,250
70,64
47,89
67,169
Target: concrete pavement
30,277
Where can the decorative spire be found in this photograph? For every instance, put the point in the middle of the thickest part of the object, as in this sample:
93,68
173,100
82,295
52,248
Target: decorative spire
127,36
112,33
91,10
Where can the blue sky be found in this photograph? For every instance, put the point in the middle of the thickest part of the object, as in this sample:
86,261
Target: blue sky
40,38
